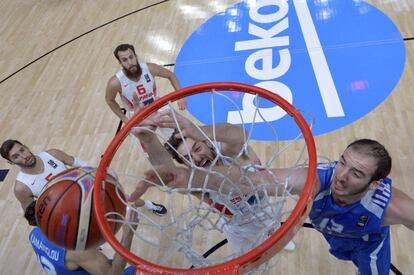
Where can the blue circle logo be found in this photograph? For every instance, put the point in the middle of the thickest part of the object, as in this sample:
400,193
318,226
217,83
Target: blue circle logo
336,60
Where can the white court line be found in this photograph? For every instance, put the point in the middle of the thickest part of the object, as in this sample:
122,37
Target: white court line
329,94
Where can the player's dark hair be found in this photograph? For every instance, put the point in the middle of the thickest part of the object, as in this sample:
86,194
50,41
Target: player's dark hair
122,48
376,150
7,146
30,214
174,142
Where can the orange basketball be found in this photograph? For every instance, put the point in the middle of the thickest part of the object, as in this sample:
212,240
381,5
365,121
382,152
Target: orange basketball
64,209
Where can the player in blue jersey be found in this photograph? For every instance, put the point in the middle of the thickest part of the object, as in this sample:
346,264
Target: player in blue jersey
354,207
354,204
59,261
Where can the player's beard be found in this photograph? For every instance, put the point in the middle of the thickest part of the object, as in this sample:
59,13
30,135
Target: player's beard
131,73
30,165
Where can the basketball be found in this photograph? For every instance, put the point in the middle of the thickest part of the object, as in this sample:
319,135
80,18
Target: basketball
64,209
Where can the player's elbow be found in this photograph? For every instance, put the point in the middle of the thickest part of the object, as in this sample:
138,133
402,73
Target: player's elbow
109,99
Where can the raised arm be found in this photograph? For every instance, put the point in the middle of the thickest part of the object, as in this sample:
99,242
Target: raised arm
23,194
231,137
178,177
400,210
112,89
158,155
159,71
66,158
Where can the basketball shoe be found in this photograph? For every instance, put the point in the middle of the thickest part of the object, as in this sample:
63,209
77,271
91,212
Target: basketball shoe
158,209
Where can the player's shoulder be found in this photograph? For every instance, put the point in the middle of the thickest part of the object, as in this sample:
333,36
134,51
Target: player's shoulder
153,68
54,152
326,165
325,172
151,65
34,233
21,189
114,83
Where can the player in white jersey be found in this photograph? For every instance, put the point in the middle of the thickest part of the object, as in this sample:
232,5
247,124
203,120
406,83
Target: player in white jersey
241,232
135,83
37,170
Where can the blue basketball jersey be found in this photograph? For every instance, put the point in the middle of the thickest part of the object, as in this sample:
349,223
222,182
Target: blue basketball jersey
50,256
354,232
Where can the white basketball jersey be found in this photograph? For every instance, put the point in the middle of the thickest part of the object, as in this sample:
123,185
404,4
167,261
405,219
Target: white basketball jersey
145,88
52,166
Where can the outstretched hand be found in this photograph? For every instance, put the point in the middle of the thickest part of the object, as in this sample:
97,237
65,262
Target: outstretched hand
172,119
168,176
145,127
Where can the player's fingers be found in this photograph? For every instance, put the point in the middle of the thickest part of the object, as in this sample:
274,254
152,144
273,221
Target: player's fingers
140,189
164,113
182,105
164,120
166,124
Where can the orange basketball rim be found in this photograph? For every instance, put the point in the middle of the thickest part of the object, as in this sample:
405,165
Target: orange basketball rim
259,254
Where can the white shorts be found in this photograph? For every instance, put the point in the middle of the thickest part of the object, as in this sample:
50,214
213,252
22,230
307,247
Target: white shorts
249,225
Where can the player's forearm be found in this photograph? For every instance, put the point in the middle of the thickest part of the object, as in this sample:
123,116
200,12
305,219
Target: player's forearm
232,180
119,263
226,133
117,110
224,179
174,81
155,150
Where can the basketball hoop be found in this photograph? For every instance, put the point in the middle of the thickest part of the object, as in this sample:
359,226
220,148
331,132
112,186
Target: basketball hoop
237,264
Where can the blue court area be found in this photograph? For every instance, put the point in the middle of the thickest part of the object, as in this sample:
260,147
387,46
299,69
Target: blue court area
335,61
3,174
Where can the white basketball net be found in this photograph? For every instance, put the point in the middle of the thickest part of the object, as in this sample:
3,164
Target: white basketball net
192,224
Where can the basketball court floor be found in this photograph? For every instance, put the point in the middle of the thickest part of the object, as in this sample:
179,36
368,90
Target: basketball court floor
56,58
